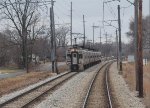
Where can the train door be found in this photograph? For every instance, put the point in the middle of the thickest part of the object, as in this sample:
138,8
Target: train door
74,61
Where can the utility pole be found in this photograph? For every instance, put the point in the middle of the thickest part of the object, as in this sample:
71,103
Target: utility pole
149,7
100,35
149,23
84,31
106,36
117,46
140,51
136,40
100,38
26,49
53,41
103,13
120,46
55,46
93,34
71,25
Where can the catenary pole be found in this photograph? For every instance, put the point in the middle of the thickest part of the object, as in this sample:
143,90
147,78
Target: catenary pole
117,46
55,46
120,46
71,24
103,13
54,58
100,38
106,36
52,40
84,31
149,23
93,34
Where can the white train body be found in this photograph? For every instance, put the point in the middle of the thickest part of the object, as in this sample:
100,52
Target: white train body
79,59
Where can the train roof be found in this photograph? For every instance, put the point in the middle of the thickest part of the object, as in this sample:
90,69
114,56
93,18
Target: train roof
81,50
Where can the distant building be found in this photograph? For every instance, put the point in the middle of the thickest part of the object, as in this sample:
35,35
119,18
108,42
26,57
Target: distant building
35,58
61,54
146,53
130,58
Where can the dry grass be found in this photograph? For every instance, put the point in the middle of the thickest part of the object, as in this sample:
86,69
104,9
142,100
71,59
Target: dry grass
147,84
11,84
129,75
63,69
8,71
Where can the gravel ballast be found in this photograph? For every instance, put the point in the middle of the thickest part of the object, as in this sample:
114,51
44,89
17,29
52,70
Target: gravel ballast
124,96
71,94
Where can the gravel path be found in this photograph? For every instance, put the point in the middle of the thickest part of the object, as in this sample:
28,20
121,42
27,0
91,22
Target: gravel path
71,94
12,75
124,96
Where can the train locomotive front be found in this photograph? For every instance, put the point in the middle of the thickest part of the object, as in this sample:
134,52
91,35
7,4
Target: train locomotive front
79,59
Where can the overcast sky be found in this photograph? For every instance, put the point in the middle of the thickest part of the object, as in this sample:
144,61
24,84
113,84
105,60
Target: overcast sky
93,11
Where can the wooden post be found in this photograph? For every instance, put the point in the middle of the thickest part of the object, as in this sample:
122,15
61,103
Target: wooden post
140,51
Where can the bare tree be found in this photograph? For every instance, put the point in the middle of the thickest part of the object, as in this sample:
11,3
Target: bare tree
61,34
9,50
35,32
146,33
22,14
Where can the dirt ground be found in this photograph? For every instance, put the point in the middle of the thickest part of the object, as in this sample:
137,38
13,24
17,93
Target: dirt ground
12,84
129,75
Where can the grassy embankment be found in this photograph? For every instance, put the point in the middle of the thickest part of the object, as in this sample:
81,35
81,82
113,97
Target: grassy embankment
129,75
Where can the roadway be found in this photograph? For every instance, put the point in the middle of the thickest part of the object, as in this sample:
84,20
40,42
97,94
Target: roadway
41,68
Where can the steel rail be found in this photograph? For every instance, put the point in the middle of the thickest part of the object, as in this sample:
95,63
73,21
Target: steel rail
29,103
90,87
107,86
42,94
92,83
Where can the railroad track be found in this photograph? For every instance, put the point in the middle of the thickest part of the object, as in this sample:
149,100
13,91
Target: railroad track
98,94
28,98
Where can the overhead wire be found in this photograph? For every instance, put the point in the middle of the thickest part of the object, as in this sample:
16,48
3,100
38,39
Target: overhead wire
123,13
66,8
111,10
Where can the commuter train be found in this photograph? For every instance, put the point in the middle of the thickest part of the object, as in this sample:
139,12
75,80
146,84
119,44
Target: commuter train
78,59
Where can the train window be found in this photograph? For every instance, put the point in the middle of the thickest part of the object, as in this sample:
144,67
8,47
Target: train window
68,55
74,55
80,55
